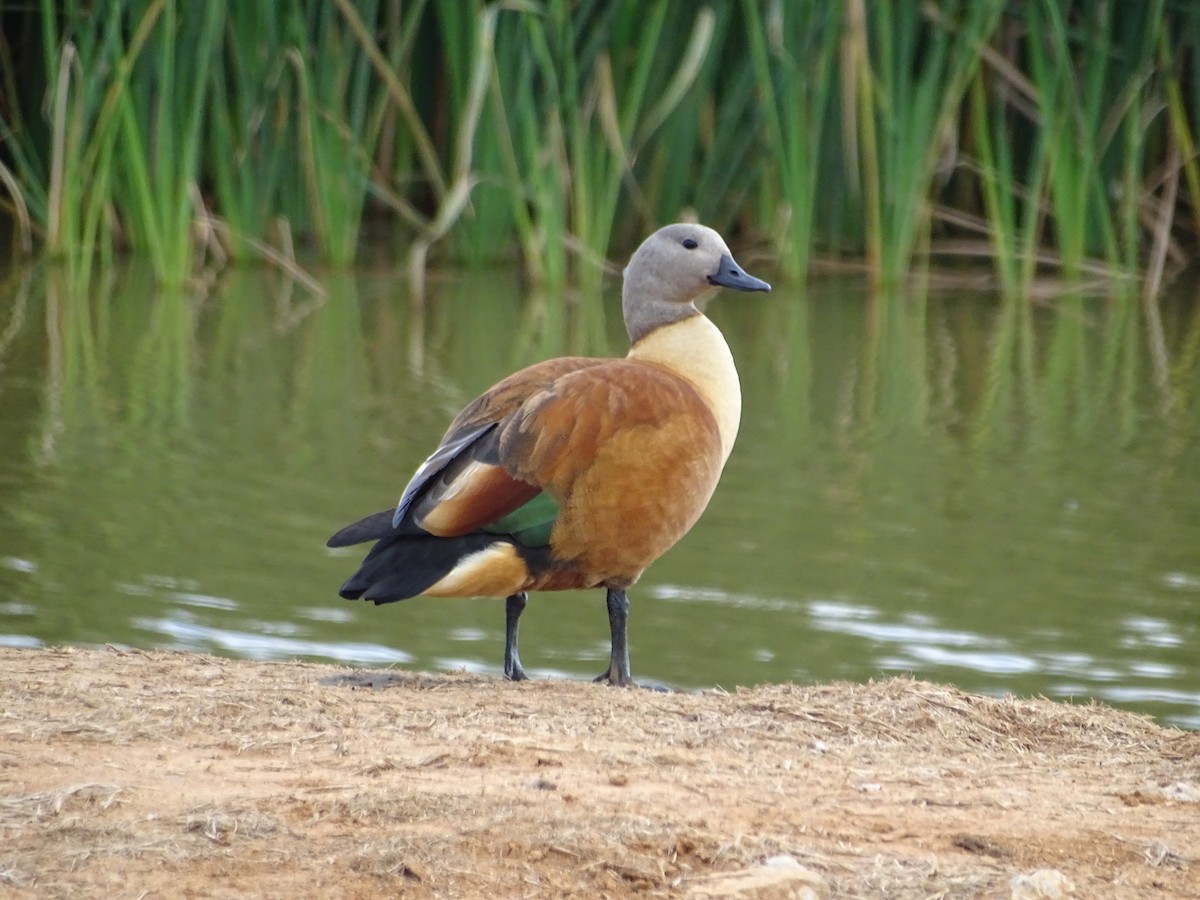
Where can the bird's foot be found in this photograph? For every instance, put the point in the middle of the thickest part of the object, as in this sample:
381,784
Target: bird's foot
513,670
616,678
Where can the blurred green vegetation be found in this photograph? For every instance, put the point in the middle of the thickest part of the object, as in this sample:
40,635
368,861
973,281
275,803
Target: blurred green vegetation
1030,139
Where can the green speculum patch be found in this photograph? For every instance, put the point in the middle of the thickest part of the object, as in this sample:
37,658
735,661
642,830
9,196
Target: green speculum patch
530,523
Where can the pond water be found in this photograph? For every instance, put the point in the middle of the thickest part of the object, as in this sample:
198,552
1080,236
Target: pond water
1001,495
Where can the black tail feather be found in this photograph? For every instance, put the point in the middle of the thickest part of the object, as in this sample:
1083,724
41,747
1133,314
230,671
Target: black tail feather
372,528
403,565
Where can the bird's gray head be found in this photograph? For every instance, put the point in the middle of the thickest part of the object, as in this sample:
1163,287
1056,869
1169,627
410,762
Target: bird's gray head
671,269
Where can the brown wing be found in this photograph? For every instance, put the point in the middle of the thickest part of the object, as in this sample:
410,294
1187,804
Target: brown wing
505,397
567,428
631,452
463,486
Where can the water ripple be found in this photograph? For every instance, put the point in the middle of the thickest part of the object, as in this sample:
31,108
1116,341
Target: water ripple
21,642
19,565
254,645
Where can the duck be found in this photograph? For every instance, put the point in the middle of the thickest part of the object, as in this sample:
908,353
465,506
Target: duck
575,473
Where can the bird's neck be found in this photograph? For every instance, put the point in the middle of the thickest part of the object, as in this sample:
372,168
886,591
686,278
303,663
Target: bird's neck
695,349
642,315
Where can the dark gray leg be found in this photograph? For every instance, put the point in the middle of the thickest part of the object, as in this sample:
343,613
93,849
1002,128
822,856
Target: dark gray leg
618,618
513,607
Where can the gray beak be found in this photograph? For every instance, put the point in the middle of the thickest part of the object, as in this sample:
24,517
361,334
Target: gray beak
729,274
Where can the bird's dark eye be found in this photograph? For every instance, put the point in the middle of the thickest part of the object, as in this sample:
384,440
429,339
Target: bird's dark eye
689,244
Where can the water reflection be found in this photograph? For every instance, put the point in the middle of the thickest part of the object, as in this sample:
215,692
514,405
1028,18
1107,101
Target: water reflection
263,640
994,493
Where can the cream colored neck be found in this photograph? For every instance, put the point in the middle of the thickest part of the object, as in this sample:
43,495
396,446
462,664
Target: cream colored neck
695,349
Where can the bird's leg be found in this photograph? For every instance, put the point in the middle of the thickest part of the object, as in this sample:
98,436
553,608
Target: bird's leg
513,607
618,663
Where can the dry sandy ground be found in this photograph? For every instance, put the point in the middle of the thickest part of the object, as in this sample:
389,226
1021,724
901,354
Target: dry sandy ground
133,774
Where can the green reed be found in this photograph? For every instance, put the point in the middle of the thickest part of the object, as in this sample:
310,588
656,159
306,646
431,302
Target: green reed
530,144
701,160
793,61
916,66
65,159
1072,108
1047,137
619,111
339,107
579,93
255,164
1064,151
134,140
470,44
160,111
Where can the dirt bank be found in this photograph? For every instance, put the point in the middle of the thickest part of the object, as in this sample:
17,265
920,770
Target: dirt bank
131,774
